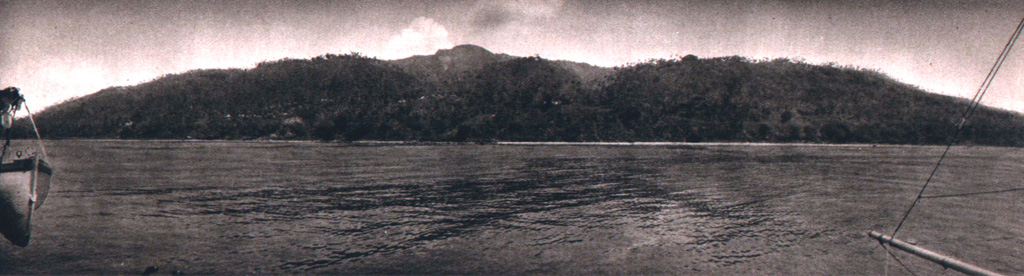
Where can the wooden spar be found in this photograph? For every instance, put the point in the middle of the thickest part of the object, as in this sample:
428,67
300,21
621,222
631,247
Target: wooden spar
940,259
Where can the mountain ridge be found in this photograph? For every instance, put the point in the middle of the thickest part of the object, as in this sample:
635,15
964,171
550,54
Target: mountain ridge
469,93
468,57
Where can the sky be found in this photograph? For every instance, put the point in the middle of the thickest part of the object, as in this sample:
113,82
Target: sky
60,49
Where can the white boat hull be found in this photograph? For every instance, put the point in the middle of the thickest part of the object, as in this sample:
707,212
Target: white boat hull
24,185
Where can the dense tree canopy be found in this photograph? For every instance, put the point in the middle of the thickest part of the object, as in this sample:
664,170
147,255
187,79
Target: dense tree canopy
487,98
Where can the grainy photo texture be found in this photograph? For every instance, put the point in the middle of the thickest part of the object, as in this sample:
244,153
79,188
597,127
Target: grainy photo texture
530,137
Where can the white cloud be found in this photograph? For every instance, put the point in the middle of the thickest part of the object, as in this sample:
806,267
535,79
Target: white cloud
424,36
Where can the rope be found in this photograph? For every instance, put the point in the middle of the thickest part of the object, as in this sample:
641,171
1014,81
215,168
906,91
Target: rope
7,142
887,260
975,102
39,138
977,193
886,264
897,260
992,72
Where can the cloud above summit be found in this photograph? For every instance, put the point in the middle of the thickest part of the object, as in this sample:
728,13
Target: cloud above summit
55,50
423,36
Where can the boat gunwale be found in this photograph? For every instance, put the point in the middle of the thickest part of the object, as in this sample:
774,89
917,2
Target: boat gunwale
26,165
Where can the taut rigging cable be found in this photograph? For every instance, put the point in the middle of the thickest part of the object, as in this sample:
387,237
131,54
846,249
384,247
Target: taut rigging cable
975,102
39,138
972,106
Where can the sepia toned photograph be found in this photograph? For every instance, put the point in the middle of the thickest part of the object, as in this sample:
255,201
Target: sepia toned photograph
518,137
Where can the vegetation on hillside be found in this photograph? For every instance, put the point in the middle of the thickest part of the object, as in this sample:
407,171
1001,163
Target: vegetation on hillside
351,97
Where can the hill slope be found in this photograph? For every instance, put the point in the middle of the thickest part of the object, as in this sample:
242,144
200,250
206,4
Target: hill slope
448,63
470,94
451,61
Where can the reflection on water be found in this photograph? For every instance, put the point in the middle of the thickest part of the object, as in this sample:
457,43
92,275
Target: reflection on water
120,207
378,206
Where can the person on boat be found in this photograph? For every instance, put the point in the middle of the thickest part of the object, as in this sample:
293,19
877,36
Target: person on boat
10,100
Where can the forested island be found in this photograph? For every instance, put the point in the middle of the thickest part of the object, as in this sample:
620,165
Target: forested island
468,94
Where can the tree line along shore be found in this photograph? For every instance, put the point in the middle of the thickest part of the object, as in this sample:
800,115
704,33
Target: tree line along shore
468,94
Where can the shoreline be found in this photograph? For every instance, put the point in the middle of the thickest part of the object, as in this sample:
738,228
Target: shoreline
522,143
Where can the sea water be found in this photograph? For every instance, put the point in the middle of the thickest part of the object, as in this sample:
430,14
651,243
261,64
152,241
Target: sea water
223,207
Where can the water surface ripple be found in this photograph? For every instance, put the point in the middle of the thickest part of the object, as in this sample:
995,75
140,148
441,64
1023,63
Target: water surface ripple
230,207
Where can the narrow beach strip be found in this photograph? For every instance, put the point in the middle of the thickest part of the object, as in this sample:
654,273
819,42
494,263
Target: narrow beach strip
694,144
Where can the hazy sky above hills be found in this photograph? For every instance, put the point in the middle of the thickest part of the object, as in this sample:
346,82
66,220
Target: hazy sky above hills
55,50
